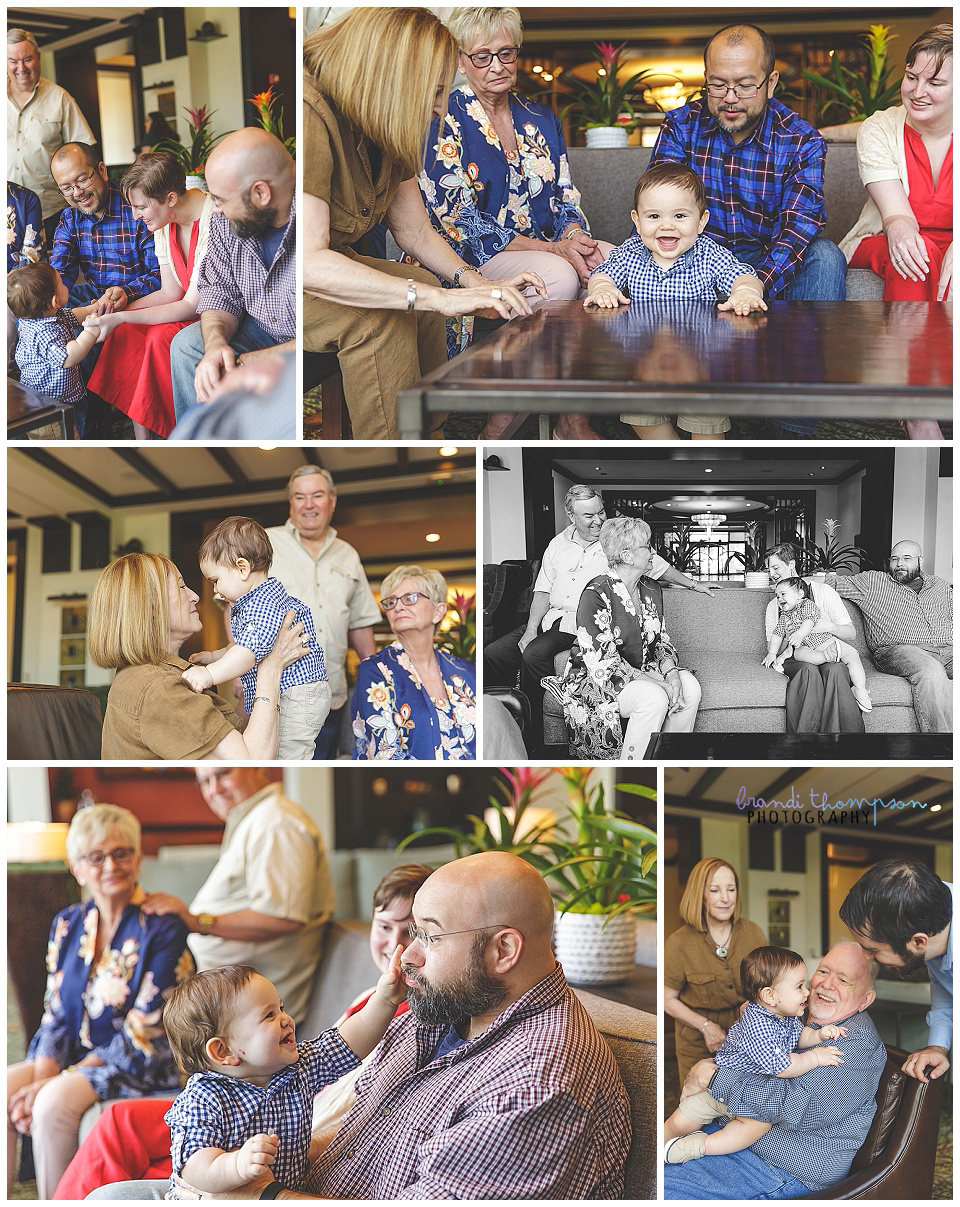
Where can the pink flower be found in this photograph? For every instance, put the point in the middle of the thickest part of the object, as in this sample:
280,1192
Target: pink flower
525,780
609,54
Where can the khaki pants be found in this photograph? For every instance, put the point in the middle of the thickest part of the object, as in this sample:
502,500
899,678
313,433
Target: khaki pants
380,351
644,703
303,710
57,1110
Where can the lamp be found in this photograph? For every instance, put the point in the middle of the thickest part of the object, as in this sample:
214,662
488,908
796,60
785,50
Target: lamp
37,842
709,519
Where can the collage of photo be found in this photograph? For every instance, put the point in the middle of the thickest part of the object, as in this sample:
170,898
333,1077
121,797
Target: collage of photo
594,433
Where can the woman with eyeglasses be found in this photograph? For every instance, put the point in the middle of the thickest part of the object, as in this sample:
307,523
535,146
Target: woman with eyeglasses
109,968
411,700
496,182
623,682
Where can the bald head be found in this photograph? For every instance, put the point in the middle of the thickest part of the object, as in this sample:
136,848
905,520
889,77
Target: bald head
493,888
906,563
748,39
251,177
842,984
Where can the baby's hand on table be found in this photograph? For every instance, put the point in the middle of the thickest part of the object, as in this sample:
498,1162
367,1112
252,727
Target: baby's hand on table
742,301
822,1057
832,1032
606,299
256,1156
391,987
198,678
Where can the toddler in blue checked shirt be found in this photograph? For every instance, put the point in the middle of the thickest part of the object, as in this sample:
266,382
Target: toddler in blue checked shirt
669,258
761,1041
236,558
51,342
246,1110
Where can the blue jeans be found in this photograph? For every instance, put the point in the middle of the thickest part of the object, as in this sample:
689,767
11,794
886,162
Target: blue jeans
930,673
741,1175
187,350
327,745
90,414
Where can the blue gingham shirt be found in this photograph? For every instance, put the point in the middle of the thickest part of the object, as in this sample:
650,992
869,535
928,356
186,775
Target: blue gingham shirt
41,351
112,249
255,621
759,1042
704,273
765,194
818,1120
216,1111
234,278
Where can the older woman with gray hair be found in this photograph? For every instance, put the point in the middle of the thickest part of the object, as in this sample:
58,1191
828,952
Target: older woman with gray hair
110,968
623,666
411,700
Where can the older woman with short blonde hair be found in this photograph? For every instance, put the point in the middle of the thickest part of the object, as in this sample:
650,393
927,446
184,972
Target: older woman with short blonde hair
411,700
623,666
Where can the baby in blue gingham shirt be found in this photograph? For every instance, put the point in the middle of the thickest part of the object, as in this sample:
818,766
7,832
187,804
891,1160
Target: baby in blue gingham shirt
50,341
762,1041
236,558
245,1112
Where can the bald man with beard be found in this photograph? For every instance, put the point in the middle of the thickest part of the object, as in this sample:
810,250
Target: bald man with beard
247,282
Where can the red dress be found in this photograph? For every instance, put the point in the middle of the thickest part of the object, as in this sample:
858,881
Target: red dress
133,372
932,206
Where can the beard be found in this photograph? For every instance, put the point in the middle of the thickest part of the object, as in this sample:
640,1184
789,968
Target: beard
474,992
904,577
912,962
254,222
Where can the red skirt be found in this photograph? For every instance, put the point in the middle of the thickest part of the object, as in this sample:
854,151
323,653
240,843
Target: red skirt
133,374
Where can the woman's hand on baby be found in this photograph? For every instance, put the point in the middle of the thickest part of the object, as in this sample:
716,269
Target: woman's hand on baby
256,1156
832,1032
605,299
391,987
743,301
822,1057
290,645
198,678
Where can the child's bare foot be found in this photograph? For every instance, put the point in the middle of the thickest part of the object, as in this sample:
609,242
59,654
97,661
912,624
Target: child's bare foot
685,1148
862,697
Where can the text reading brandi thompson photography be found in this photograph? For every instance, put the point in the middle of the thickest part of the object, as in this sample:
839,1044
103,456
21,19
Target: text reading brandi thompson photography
816,808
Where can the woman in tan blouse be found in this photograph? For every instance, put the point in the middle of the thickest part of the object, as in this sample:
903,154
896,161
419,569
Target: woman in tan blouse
701,961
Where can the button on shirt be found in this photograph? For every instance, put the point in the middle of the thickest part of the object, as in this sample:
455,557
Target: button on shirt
566,568
49,118
234,278
765,194
895,614
940,1018
759,1042
255,621
41,351
705,272
334,588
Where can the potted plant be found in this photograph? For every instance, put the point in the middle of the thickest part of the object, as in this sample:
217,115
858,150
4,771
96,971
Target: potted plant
831,556
603,107
681,552
193,155
852,95
754,556
460,639
264,102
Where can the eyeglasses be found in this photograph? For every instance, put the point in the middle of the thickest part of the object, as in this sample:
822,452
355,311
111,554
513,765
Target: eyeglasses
78,185
417,933
119,855
411,597
483,58
743,92
894,561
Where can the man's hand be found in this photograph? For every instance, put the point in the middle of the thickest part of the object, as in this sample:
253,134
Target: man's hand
198,678
166,903
256,1156
525,639
215,362
927,1064
703,589
698,1078
113,298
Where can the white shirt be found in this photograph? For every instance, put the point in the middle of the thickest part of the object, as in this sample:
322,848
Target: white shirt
161,241
832,607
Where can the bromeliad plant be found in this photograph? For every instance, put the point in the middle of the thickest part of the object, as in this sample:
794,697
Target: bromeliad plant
460,639
264,103
832,556
754,555
192,156
602,101
854,95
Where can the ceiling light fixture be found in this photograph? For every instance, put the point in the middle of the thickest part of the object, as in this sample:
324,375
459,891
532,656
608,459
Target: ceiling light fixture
432,537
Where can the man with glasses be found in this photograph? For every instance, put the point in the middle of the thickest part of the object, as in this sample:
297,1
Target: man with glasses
270,895
908,621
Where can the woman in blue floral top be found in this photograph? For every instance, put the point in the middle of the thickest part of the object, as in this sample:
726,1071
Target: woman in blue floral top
497,182
623,665
411,700
109,969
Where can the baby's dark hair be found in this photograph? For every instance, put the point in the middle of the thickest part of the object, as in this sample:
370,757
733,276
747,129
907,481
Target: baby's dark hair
30,290
237,537
677,174
797,584
760,968
199,1009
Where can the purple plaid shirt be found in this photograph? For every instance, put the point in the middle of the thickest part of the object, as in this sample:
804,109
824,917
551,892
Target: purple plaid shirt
113,249
234,278
765,194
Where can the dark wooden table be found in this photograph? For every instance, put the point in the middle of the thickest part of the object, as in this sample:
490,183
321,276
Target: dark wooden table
853,360
638,990
27,410
800,747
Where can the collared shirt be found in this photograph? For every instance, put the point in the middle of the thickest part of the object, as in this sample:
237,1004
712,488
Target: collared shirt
895,614
255,621
48,119
533,1108
940,1017
217,1111
113,248
828,602
820,1119
759,1042
41,351
765,194
272,860
334,588
704,273
234,278
789,622
566,568
24,227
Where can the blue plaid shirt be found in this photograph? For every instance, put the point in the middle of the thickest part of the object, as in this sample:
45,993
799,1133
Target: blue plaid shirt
704,273
255,621
41,351
765,194
112,249
759,1042
216,1111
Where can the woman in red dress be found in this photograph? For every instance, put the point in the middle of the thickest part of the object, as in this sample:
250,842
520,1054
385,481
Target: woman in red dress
133,372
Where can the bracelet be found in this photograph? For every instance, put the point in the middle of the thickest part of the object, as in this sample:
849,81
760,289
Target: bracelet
706,1023
411,293
266,700
459,273
574,230
672,671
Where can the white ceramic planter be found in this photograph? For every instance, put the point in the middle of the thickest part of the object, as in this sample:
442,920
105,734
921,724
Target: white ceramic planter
607,136
196,182
594,954
756,578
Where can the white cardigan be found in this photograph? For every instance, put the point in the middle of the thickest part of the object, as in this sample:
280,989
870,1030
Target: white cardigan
880,156
161,241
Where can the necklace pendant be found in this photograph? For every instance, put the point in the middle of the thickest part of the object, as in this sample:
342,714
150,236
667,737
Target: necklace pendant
721,951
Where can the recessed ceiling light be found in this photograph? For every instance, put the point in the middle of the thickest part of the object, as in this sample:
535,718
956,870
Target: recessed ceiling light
449,450
708,471
432,537
935,808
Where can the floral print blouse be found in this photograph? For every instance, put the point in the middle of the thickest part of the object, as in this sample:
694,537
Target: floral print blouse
395,717
478,197
112,1011
615,644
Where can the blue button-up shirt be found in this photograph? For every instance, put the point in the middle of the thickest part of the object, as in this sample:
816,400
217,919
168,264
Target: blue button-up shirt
41,351
704,273
759,1042
765,194
112,248
255,621
940,1018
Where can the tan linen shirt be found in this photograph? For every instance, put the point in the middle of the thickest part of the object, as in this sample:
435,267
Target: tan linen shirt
334,588
49,118
272,860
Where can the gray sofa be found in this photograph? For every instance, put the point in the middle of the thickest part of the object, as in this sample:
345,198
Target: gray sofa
721,640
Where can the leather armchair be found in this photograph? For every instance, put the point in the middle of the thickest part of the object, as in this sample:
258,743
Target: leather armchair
47,722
